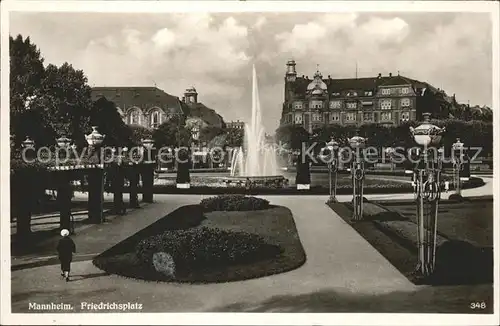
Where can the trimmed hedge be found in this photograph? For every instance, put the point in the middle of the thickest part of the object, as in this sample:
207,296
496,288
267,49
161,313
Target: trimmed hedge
233,203
206,248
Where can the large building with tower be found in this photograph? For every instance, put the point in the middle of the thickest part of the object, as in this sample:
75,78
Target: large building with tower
151,106
314,103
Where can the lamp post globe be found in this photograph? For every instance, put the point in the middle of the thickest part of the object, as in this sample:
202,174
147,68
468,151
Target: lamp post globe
427,134
457,146
357,142
148,143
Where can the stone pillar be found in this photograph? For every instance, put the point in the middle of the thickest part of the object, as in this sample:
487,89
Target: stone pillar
133,191
96,195
147,182
64,194
23,199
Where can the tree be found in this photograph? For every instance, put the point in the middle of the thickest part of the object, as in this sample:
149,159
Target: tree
235,137
292,135
138,133
66,102
209,132
26,74
171,133
106,117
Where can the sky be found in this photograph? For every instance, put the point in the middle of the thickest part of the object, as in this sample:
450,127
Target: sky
214,52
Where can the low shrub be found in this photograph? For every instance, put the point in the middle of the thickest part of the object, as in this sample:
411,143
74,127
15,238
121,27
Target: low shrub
234,203
202,248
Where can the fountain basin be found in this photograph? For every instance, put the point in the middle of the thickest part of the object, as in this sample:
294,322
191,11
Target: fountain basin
271,181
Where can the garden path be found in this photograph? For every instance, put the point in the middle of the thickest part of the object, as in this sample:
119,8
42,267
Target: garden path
343,273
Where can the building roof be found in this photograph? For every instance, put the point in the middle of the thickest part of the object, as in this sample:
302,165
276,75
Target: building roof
142,97
300,86
207,114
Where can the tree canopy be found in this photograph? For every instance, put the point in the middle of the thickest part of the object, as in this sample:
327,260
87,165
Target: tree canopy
173,134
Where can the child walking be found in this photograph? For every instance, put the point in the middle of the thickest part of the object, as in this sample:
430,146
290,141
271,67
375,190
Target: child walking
65,248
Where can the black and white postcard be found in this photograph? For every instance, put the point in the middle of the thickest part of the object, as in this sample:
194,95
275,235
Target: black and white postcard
249,162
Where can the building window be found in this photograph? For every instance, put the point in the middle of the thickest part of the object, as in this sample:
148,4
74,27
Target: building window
297,106
316,105
155,119
368,93
135,117
405,102
385,104
385,116
405,90
350,116
367,116
405,116
351,105
335,105
316,117
334,116
386,91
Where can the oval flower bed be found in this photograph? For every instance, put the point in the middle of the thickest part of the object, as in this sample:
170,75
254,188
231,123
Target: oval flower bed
224,238
195,251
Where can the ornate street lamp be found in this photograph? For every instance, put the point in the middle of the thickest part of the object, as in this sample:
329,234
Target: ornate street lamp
427,192
331,158
357,144
458,164
390,152
28,143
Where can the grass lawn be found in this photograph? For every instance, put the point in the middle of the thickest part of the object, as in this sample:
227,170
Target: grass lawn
275,226
465,238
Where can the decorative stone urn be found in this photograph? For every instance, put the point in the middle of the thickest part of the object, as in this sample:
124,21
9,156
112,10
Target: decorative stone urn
427,134
28,143
94,138
63,142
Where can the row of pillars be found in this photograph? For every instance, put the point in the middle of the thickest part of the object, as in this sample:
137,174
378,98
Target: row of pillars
95,178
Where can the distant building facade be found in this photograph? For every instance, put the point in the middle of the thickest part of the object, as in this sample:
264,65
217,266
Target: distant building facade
236,125
314,103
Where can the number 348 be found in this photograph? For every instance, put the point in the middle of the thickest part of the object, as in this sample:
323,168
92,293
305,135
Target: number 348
477,305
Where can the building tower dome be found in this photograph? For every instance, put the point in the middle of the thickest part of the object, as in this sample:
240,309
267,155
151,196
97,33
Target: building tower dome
291,74
317,82
190,95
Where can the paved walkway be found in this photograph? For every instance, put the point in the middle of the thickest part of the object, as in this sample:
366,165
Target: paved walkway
343,272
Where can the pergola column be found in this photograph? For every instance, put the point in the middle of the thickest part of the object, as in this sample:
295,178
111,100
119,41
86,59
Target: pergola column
96,195
64,194
134,180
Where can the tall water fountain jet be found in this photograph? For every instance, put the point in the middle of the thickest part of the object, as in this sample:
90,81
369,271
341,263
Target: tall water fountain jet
256,158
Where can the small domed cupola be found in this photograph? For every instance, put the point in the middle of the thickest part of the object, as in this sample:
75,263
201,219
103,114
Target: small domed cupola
317,83
190,95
